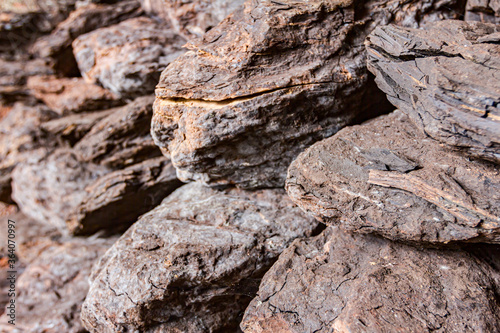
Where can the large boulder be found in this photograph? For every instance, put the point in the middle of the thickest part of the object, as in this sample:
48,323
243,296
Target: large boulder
483,11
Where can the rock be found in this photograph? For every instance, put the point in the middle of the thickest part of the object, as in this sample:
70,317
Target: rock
95,197
338,282
483,11
71,95
266,83
189,265
192,18
20,140
57,45
386,177
53,287
127,58
122,138
437,76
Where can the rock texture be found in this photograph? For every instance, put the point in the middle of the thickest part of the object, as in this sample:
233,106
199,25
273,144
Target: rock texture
192,18
483,11
127,58
57,45
53,287
338,282
445,77
266,83
189,265
387,177
71,95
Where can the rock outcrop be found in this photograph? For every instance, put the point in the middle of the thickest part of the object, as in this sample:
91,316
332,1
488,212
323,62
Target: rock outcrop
189,264
337,282
483,11
445,78
387,177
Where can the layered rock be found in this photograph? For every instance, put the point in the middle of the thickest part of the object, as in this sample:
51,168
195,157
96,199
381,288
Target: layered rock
356,283
71,95
53,287
189,265
266,83
483,11
387,177
445,78
127,58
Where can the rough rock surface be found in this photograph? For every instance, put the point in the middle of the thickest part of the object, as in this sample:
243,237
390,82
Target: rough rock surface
127,58
192,18
53,287
387,177
483,11
189,264
122,138
21,139
71,95
266,83
337,282
445,77
95,197
57,45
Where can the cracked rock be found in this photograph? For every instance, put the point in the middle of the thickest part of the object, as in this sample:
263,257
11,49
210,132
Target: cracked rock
483,11
53,287
189,265
387,177
127,58
267,82
445,77
340,282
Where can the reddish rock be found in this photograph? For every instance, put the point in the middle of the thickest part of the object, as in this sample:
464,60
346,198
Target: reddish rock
483,11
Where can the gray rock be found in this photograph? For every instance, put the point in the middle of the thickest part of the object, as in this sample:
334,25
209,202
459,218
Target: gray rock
483,11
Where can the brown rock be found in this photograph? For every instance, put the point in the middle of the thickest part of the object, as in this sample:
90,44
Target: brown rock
483,11
127,58
57,45
266,83
189,265
192,18
337,282
122,138
71,95
386,177
445,78
53,287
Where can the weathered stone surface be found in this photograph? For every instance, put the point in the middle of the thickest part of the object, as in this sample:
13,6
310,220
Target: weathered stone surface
122,138
192,18
53,287
483,11
21,139
57,45
266,83
337,282
387,177
189,264
95,197
127,58
71,95
445,77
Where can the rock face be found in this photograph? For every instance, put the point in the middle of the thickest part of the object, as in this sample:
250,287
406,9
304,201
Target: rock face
338,282
71,95
437,77
53,287
266,83
189,264
57,45
192,18
127,58
483,11
386,177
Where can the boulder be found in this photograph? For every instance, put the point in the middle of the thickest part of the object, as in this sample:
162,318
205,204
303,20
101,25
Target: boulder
387,177
483,11
340,282
192,263
127,58
445,78
267,82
